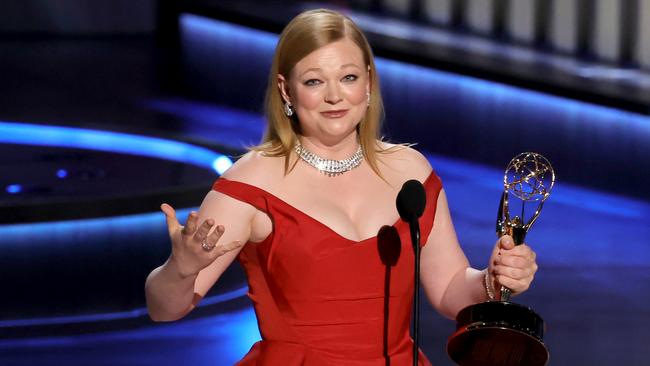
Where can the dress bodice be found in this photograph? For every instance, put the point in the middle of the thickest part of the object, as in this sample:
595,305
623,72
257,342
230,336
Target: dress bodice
323,299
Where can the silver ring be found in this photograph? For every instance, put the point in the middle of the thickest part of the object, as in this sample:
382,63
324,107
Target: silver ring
207,247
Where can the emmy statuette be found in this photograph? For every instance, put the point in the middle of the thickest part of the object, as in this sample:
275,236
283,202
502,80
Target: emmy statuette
503,333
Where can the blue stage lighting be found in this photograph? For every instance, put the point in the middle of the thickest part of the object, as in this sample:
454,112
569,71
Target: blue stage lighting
44,135
14,188
63,233
221,164
31,134
253,40
121,315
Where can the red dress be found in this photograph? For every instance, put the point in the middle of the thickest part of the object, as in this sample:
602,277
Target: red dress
322,299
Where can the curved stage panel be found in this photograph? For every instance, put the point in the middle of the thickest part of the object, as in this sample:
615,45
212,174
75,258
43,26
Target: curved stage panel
59,173
81,226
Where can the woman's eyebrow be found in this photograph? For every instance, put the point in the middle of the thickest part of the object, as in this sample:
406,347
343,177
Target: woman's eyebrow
351,65
318,69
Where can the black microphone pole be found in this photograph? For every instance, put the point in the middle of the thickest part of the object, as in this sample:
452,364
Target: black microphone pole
415,240
411,202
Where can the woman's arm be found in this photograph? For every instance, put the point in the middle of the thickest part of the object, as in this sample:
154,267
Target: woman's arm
173,289
449,281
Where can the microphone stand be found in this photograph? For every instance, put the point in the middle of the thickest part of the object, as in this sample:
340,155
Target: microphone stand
414,225
411,202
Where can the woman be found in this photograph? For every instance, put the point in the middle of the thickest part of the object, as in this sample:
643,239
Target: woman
307,213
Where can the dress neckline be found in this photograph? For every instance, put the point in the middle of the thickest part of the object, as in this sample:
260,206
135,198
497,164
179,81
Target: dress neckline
281,201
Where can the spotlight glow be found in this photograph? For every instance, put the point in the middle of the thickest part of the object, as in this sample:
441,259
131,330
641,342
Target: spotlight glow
14,188
221,164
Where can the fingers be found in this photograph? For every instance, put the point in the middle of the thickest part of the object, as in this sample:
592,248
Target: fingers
513,266
506,242
190,225
516,273
211,240
170,216
521,256
516,286
203,230
505,246
516,261
208,240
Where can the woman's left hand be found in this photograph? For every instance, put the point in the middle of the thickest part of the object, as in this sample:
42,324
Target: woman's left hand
512,266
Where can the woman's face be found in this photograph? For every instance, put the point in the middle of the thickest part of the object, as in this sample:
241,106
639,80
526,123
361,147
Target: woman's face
328,90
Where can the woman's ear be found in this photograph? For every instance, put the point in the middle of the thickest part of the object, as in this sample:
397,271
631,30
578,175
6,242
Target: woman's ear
283,86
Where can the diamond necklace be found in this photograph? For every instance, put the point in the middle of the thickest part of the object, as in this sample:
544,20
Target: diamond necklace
329,167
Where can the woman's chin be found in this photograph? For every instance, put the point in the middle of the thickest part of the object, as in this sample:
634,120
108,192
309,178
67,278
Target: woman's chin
339,132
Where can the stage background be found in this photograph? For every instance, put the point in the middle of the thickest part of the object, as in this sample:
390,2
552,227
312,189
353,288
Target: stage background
108,108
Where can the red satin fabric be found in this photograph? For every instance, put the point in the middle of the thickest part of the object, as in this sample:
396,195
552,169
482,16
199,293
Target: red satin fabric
321,299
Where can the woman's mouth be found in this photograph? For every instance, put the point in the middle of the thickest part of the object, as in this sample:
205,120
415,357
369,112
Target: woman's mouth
334,114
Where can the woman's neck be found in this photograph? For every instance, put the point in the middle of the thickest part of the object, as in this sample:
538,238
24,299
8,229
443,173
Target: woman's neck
334,150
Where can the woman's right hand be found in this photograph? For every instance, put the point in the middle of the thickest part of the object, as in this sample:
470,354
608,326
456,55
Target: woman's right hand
192,248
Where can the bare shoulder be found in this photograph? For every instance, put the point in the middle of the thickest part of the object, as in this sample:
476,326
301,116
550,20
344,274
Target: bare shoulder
403,162
257,169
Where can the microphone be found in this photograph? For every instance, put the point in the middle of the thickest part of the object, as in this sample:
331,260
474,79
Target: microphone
411,201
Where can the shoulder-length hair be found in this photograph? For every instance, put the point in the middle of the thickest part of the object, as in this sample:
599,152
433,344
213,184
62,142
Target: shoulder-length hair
306,33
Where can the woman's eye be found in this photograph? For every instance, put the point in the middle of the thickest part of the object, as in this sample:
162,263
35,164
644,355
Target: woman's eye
312,82
350,77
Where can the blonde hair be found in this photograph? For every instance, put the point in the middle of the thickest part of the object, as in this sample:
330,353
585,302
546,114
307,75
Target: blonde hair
306,33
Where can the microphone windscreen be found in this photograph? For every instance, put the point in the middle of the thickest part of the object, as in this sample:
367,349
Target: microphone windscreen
411,200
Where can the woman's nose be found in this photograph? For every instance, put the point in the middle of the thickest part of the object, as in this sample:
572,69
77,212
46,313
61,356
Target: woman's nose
333,94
